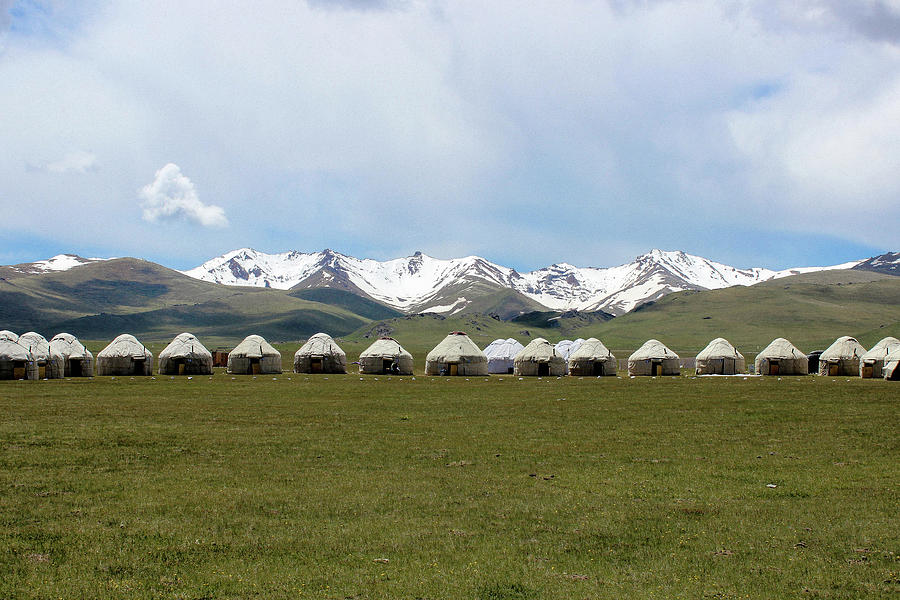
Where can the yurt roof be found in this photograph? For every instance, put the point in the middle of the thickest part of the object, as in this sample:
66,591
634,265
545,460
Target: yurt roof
843,347
36,344
719,348
254,346
652,349
6,334
10,350
184,344
538,349
781,348
68,345
124,345
320,344
386,346
456,346
591,348
501,348
565,347
883,348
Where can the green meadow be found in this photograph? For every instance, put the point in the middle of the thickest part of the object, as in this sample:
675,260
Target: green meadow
341,486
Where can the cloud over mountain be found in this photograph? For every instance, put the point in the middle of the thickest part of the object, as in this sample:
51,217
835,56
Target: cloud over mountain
171,197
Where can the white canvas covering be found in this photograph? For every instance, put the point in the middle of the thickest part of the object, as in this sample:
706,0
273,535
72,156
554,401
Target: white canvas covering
781,358
185,355
653,358
842,358
457,354
500,354
539,358
386,356
320,354
720,358
592,359
254,356
16,362
891,370
77,360
49,364
125,355
8,335
872,362
566,347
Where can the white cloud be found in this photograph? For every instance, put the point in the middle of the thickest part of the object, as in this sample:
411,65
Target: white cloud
172,197
74,162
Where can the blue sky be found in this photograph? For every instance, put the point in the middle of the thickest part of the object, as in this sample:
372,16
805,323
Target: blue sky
755,133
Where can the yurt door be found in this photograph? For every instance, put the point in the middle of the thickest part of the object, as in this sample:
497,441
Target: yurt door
137,366
74,369
728,366
315,365
773,368
868,371
834,369
543,369
597,368
386,365
454,369
254,366
181,367
18,370
42,371
657,369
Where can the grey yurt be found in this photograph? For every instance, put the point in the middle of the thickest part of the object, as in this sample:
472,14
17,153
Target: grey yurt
77,360
539,358
320,354
592,359
16,362
842,358
872,362
891,370
457,354
125,356
254,356
386,356
49,364
185,355
653,358
8,335
720,358
500,354
781,358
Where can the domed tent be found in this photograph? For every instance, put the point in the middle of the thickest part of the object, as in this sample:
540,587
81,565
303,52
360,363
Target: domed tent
49,363
891,370
842,357
77,360
16,361
539,358
386,356
592,359
125,356
872,362
653,358
9,336
254,356
720,358
781,358
566,347
185,355
457,354
500,354
320,354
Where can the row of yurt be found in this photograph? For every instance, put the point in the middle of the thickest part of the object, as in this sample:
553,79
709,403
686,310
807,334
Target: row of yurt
539,358
31,356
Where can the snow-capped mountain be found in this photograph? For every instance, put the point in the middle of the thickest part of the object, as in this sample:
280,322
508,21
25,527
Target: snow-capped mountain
421,283
60,262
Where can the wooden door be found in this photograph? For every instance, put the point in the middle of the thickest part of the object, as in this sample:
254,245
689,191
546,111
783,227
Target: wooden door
454,369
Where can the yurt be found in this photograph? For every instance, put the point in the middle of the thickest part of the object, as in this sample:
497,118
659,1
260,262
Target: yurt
500,354
653,358
386,356
720,358
566,347
49,364
842,357
539,358
125,356
254,356
77,360
185,355
872,362
8,335
891,370
457,354
592,359
16,362
320,354
781,358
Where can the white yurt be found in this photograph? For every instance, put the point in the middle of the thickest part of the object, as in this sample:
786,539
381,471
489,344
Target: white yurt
16,362
77,360
500,354
185,355
8,335
457,354
320,354
49,363
539,358
842,358
781,358
386,356
125,355
872,362
653,358
720,358
566,347
592,359
254,356
891,370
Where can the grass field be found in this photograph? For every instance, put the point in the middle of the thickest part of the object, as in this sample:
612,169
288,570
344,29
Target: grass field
346,487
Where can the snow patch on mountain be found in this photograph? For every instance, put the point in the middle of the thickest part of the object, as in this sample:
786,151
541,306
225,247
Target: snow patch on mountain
60,262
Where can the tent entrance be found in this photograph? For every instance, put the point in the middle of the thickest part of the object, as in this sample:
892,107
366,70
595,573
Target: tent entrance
74,368
137,366
868,371
894,375
834,369
453,369
597,368
19,370
774,367
656,369
254,366
728,367
510,371
386,365
42,371
543,369
316,365
181,367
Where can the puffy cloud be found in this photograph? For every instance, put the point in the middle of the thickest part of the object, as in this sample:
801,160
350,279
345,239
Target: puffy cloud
171,197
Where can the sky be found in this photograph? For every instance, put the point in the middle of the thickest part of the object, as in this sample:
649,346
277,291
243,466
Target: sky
751,132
